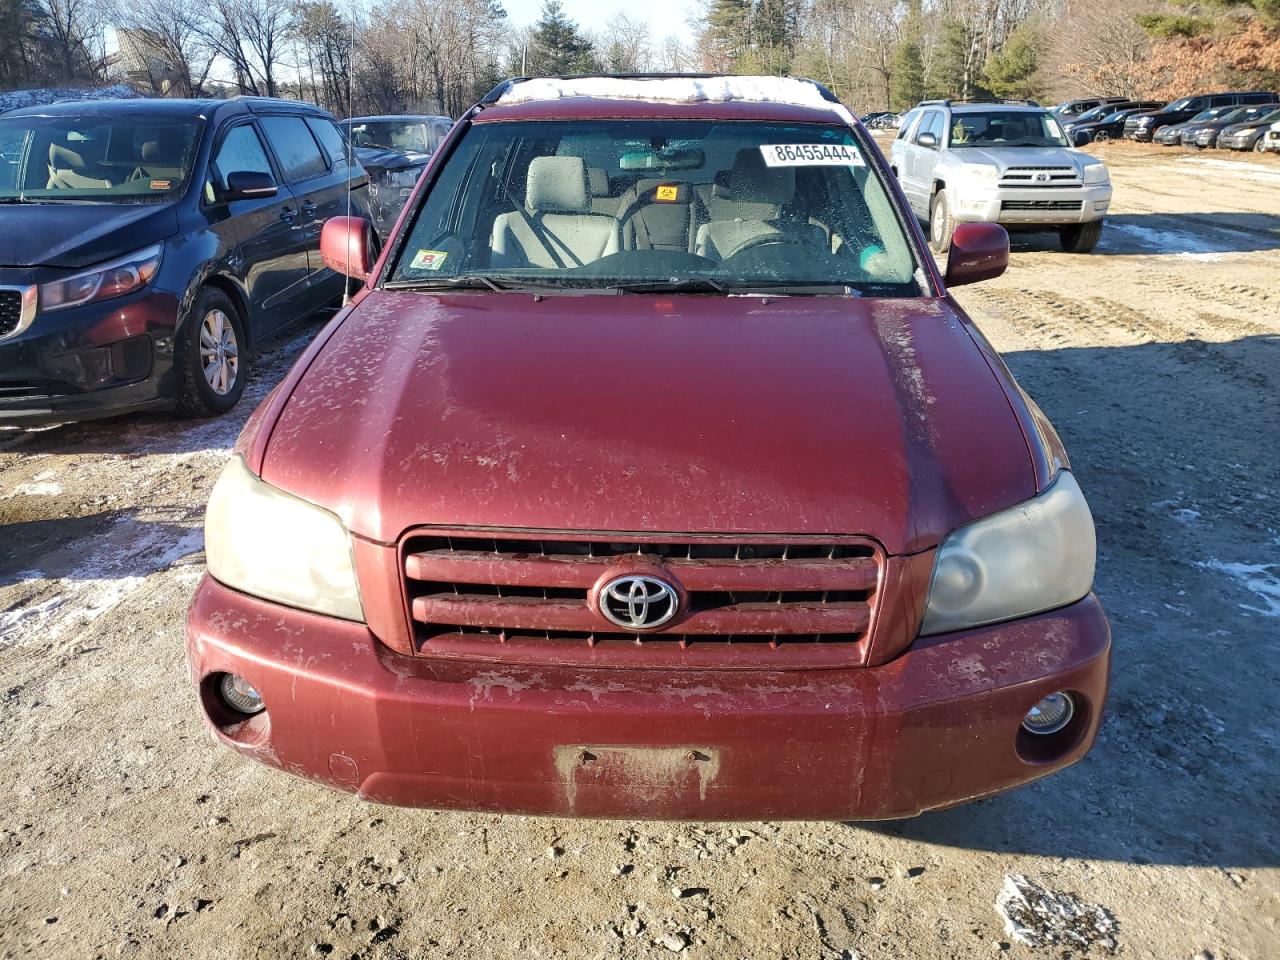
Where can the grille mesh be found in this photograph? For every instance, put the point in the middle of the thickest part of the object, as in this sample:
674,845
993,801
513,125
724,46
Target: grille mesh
10,311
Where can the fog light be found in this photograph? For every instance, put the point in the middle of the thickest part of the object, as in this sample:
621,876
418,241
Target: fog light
1049,715
238,694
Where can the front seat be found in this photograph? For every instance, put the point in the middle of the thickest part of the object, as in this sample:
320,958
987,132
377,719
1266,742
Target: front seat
556,227
66,170
753,208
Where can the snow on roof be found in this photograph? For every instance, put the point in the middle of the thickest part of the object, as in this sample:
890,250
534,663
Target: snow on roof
17,99
800,93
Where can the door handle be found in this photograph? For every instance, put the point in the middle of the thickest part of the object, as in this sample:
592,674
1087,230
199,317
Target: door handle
308,208
288,213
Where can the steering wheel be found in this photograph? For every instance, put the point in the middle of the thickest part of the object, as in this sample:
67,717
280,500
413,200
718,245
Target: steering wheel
769,239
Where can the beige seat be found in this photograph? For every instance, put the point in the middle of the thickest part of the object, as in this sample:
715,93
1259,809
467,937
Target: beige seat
157,161
598,185
650,221
69,170
556,228
747,206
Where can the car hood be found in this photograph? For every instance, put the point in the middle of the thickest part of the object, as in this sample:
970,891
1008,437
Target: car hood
371,157
1005,157
698,414
74,235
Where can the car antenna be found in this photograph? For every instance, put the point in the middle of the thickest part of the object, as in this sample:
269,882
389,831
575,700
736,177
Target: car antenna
351,69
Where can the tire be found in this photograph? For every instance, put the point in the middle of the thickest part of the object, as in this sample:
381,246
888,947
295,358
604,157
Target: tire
1258,147
1101,136
941,226
211,355
1081,237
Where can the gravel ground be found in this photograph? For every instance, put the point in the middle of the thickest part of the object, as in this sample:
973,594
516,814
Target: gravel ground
125,832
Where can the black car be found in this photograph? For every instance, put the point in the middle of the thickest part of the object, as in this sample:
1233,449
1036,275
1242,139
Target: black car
1109,126
146,245
1142,126
1204,135
1071,109
394,150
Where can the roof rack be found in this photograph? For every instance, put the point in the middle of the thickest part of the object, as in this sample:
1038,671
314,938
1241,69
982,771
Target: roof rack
948,103
494,95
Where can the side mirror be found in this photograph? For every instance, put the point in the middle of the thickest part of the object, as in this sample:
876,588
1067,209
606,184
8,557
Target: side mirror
346,246
928,140
249,185
979,251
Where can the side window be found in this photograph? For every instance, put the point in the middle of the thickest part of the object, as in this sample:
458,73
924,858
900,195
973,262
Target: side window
907,121
295,148
932,123
331,139
241,151
1222,101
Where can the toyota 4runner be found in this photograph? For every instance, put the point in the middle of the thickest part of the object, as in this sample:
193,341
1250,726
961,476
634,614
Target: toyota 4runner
998,162
654,472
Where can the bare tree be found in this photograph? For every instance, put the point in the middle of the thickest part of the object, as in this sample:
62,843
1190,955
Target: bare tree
172,30
625,45
251,36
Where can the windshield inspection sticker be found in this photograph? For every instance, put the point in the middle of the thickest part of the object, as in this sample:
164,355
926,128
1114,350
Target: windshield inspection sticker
429,260
810,155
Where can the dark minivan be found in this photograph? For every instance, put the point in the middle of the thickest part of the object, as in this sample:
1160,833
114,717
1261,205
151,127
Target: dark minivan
1143,126
145,245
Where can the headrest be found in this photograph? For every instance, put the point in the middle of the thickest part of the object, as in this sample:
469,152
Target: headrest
750,181
151,150
60,158
598,182
557,185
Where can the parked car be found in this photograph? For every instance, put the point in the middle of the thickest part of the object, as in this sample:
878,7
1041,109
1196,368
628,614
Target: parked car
1171,135
1089,116
1143,126
1110,126
1205,135
1071,109
998,162
454,562
147,245
394,150
1271,139
1248,134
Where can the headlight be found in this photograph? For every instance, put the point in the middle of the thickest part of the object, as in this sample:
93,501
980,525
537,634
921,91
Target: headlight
978,175
1245,131
1030,558
103,282
1096,173
265,542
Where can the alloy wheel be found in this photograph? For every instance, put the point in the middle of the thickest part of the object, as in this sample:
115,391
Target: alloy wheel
219,352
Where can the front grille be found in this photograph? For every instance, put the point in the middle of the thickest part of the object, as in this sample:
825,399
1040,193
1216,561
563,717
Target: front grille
1041,204
10,311
1024,177
31,389
521,598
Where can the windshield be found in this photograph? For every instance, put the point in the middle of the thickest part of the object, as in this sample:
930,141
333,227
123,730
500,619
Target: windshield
132,159
1097,113
1005,128
690,205
405,135
1179,104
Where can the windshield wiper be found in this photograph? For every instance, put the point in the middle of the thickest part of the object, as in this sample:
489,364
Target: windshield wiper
672,285
471,281
793,289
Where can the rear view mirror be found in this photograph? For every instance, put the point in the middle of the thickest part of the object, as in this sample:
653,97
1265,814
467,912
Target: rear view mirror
979,251
346,246
249,185
666,159
927,140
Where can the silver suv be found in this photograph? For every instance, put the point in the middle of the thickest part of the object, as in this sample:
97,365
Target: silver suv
1001,162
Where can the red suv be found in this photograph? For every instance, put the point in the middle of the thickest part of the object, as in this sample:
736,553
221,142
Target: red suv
653,473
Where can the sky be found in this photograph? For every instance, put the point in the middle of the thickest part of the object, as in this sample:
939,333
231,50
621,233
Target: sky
664,16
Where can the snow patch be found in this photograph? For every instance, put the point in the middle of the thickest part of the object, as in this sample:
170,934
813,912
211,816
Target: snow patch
16,99
1166,241
787,90
40,489
1260,579
1241,168
1039,917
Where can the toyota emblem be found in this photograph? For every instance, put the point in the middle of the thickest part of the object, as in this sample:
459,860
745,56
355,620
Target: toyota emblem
637,602
1041,177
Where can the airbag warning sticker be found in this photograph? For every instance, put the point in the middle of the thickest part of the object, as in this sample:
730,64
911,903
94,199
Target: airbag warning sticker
810,155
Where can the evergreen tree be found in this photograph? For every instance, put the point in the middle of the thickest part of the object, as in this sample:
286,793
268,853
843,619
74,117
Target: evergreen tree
1015,70
556,47
729,32
955,71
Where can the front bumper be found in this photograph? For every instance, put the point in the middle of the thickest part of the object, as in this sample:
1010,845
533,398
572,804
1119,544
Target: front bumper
935,727
1237,141
1050,206
93,361
1271,142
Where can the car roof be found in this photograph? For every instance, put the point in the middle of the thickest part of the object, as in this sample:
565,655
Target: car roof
158,107
987,107
662,96
397,116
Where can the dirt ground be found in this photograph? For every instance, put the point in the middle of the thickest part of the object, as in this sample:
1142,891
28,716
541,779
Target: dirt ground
124,831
